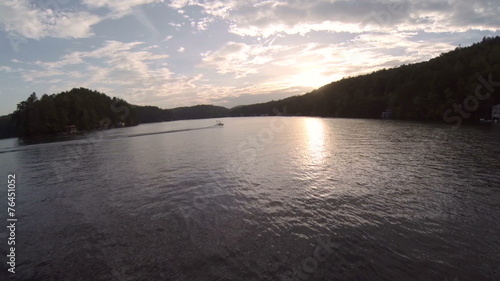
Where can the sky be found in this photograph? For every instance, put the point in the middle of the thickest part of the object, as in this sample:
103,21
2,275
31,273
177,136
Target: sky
223,52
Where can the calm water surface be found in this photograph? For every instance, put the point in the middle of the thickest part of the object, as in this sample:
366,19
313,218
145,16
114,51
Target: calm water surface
258,199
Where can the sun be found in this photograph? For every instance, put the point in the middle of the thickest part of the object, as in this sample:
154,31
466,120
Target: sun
312,78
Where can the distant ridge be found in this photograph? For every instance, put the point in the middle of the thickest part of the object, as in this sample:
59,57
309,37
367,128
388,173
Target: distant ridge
199,112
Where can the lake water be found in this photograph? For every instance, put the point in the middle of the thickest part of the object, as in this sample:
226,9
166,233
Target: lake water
264,198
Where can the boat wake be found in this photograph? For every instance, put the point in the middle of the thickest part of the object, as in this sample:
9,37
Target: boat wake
172,131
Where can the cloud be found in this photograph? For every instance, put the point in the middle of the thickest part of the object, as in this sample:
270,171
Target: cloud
6,69
238,59
266,18
130,65
49,19
18,17
119,8
202,24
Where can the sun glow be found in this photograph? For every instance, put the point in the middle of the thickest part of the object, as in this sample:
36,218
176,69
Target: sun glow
312,78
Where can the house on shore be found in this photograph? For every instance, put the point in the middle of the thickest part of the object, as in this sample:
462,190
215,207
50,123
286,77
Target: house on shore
495,113
387,114
70,130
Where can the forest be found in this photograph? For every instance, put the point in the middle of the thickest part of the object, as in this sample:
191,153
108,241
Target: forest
426,91
85,109
422,91
151,114
200,112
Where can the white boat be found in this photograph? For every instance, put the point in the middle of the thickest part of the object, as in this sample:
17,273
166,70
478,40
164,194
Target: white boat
218,123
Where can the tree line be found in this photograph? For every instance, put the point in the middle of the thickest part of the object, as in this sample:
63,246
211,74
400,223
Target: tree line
80,108
420,91
83,110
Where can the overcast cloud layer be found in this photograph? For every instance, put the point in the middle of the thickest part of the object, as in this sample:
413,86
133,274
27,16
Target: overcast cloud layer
226,52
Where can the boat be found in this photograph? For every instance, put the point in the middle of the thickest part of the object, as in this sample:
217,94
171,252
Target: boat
218,123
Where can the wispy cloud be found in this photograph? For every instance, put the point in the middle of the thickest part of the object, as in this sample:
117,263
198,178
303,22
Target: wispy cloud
267,18
118,8
238,59
6,69
120,64
19,17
